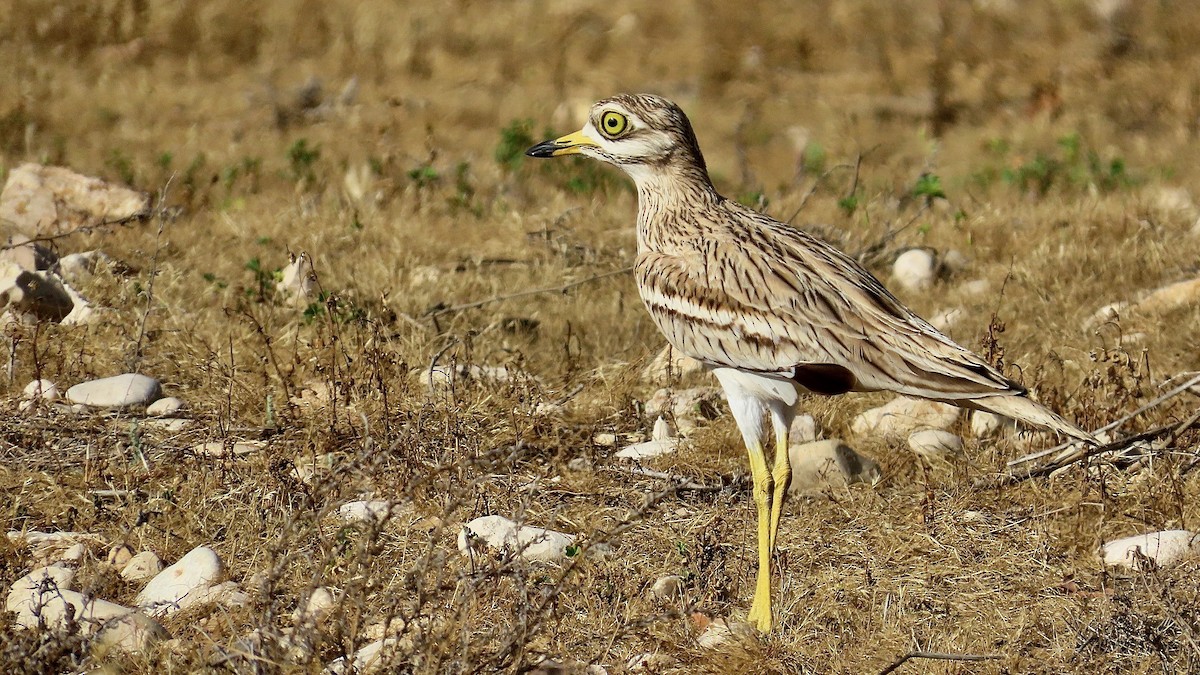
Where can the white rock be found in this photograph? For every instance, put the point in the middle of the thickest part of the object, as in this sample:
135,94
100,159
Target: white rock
687,406
77,268
1170,297
668,588
1110,312
44,389
166,407
818,464
194,573
53,547
144,565
46,200
915,269
170,425
367,659
945,319
640,451
901,416
27,592
1164,548
133,633
235,449
649,662
662,430
120,555
82,312
935,444
1175,200
670,363
298,282
498,532
119,391
803,430
365,511
976,287
27,254
955,261
444,377
316,609
986,424
118,626
721,632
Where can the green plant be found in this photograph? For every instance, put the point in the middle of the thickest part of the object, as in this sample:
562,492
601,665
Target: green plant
301,159
928,187
514,139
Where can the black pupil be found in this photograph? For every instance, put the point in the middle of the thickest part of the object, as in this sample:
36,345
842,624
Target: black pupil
613,122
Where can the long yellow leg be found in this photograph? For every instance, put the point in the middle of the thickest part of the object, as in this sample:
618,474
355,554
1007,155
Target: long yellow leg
781,475
760,609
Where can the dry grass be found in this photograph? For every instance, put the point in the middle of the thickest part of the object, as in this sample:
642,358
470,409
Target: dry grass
1053,132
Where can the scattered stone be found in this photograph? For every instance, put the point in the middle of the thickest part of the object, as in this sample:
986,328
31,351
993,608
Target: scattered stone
82,311
500,533
26,254
55,547
33,296
117,626
298,282
368,511
50,200
119,391
831,463
170,425
142,566
367,659
306,465
44,389
648,449
803,430
955,261
445,376
549,666
316,609
688,407
915,269
902,415
670,363
976,287
232,449
26,593
1162,548
668,588
935,444
945,319
192,575
579,464
986,425
649,662
78,268
722,631
166,407
133,633
119,555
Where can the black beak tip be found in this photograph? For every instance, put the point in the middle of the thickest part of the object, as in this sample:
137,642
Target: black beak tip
543,149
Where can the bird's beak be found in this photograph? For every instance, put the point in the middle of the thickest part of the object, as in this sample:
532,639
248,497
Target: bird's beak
566,145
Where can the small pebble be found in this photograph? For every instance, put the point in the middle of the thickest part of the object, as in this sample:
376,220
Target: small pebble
915,269
166,407
193,574
668,588
144,565
935,444
1163,548
500,533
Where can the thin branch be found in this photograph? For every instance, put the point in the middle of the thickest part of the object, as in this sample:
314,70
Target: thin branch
938,656
1109,427
82,229
436,312
1172,430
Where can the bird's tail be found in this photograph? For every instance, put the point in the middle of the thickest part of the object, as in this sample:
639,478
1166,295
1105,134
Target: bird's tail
1024,409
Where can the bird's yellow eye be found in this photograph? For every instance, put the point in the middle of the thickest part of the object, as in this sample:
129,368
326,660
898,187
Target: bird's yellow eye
613,124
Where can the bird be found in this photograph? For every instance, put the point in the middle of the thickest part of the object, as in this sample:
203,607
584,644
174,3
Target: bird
772,311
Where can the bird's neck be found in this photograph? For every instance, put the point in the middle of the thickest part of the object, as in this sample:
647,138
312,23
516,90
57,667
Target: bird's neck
668,198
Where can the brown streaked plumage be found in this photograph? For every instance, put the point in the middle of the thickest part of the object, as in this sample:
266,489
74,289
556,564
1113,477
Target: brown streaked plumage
773,311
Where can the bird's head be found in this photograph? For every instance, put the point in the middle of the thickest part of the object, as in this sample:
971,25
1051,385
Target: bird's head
641,133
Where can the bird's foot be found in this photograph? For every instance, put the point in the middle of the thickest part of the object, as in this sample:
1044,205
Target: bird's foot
760,616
